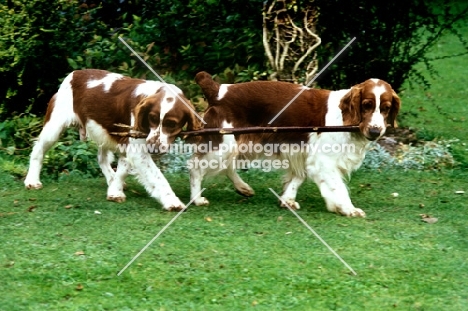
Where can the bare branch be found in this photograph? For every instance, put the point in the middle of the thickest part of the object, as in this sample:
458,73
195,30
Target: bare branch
266,45
250,130
286,47
292,41
318,41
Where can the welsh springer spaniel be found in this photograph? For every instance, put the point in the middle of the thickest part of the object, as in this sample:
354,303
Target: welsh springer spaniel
326,158
95,100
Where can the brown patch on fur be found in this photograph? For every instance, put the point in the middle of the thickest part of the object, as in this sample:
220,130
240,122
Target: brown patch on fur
106,108
50,108
209,86
193,121
256,103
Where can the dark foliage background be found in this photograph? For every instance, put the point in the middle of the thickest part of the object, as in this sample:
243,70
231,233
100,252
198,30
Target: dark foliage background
40,42
391,38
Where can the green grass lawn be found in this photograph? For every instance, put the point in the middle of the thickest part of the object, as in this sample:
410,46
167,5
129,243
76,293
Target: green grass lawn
61,247
58,254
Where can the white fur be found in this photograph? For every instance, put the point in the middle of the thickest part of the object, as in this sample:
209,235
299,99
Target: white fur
151,177
377,119
225,165
156,135
223,90
62,117
147,88
135,159
106,82
334,116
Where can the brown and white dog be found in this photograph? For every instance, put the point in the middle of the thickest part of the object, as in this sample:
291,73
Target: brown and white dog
326,158
95,100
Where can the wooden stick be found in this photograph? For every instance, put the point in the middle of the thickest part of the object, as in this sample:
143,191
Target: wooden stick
248,130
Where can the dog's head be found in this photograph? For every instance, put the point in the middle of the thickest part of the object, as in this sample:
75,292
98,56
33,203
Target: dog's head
372,105
163,115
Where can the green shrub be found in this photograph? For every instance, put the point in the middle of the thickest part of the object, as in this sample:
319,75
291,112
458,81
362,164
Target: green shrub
36,37
72,156
18,132
178,47
69,155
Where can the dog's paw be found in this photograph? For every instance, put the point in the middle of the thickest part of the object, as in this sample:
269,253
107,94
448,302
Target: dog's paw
177,208
172,203
246,191
358,213
201,201
352,212
285,203
119,198
33,185
174,207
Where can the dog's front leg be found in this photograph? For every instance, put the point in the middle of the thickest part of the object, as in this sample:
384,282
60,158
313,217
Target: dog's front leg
335,193
153,180
291,184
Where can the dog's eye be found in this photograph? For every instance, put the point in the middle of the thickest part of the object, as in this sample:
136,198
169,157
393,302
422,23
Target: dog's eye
367,104
169,123
385,107
154,118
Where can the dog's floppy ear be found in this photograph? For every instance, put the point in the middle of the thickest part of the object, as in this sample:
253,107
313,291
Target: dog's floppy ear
141,115
396,104
350,106
194,123
143,108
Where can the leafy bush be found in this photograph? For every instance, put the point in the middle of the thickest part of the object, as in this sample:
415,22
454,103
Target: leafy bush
35,39
17,133
72,156
177,45
40,42
174,162
69,155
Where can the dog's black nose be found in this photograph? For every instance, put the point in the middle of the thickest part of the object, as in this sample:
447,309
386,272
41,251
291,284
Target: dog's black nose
374,132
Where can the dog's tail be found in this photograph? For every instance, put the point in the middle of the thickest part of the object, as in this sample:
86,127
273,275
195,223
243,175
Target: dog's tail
209,86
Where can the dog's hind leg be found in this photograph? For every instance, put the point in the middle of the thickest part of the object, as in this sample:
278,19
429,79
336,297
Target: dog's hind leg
241,186
105,158
48,137
291,183
197,173
59,115
115,190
